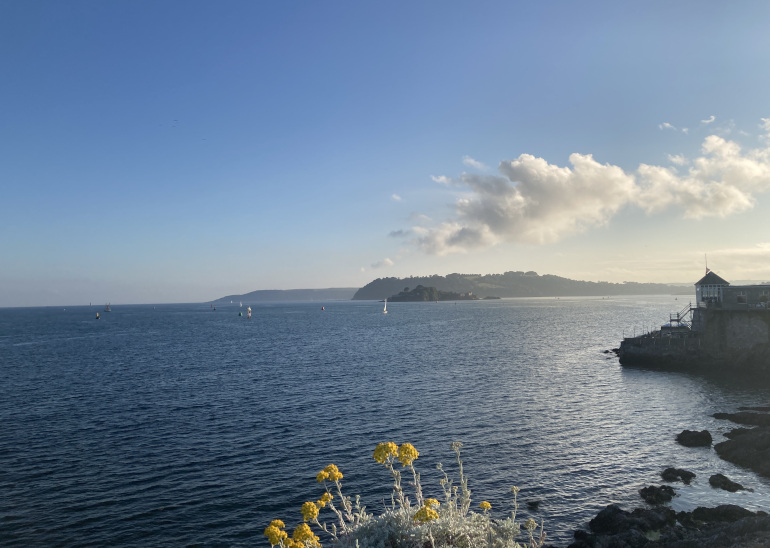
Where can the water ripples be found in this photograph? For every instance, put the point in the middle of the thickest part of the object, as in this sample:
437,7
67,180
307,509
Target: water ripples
182,425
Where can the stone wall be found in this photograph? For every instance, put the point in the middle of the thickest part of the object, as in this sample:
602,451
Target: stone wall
729,340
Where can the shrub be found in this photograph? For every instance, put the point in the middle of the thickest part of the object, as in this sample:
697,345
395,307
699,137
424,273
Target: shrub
426,523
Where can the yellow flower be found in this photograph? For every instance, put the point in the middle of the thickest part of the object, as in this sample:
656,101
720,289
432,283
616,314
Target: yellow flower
530,525
425,514
385,450
321,476
332,472
326,497
278,523
291,543
303,533
309,511
407,453
432,502
485,505
275,535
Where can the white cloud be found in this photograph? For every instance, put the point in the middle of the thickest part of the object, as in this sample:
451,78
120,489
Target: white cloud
532,201
468,161
396,197
666,125
443,179
677,159
709,120
383,263
419,218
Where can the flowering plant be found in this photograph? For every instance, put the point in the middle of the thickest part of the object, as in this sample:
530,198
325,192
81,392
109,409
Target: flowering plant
427,522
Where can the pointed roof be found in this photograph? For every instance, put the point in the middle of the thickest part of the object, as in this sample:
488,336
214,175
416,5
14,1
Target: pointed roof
711,279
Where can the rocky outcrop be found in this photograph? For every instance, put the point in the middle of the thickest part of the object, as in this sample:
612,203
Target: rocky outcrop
677,474
749,419
749,448
721,527
657,495
692,438
720,481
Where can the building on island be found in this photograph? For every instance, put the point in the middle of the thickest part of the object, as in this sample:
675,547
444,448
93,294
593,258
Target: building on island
727,329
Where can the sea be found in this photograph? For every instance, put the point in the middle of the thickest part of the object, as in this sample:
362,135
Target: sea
186,425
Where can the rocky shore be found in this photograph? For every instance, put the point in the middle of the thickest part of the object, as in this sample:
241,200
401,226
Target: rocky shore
726,526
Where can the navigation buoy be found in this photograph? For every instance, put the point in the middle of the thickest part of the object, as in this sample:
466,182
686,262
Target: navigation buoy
322,308
240,313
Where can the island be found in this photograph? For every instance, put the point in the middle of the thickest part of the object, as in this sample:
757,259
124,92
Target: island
422,293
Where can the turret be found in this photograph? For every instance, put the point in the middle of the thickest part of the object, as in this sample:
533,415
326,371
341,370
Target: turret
709,290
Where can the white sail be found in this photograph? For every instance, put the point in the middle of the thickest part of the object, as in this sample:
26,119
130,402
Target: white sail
385,310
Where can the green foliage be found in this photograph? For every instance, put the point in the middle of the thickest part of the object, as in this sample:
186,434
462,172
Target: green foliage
422,293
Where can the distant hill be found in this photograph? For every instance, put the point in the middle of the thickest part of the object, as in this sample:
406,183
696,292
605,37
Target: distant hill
274,295
514,284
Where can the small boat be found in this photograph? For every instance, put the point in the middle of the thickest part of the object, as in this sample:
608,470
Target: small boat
97,315
248,313
107,308
385,309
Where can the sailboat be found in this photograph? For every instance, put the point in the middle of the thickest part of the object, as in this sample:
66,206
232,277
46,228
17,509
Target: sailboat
248,313
385,310
107,308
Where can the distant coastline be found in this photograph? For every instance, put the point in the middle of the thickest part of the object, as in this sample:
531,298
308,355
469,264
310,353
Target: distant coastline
278,295
507,285
514,284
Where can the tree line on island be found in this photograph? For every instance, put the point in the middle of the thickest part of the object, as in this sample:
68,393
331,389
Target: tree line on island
509,284
422,293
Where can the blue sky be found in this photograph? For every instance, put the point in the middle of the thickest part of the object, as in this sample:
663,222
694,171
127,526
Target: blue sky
179,151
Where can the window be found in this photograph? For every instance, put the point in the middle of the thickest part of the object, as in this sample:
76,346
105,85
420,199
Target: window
741,297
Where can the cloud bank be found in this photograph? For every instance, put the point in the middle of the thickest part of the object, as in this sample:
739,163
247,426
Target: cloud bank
535,202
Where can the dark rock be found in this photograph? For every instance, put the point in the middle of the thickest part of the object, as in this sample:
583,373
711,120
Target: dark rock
677,474
724,512
533,504
720,481
657,495
750,419
735,432
692,438
613,520
721,527
685,519
750,449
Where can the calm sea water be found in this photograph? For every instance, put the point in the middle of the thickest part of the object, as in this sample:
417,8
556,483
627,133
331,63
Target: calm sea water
180,425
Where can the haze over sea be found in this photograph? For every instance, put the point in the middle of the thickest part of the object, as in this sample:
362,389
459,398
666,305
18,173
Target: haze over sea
179,425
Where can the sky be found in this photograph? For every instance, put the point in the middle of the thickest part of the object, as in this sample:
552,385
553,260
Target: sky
184,150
